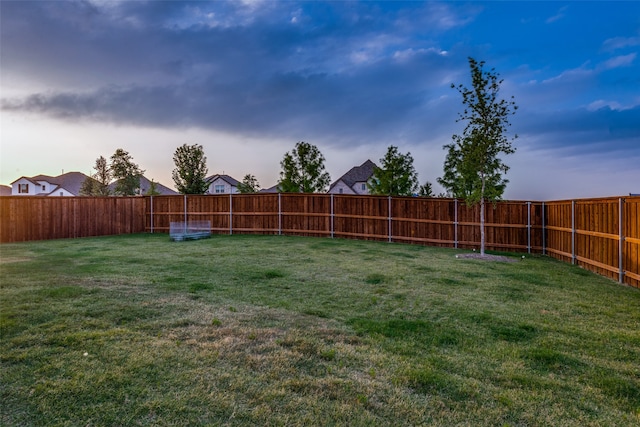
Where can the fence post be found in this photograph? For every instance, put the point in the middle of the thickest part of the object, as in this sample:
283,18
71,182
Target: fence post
151,220
573,232
455,223
75,217
544,237
230,213
389,219
279,215
185,214
621,242
331,221
529,227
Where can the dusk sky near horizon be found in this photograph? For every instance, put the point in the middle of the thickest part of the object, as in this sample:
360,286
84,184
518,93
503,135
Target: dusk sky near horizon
249,79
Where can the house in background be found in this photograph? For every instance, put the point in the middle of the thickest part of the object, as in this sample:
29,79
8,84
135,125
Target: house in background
67,184
222,184
5,190
354,181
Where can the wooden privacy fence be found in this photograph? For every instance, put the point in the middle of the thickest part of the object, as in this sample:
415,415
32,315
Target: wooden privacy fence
602,235
437,222
24,218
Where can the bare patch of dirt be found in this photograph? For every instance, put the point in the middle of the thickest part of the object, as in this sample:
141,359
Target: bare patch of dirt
487,257
9,260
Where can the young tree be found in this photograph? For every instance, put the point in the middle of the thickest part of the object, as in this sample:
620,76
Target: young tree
396,176
472,169
303,170
426,190
191,169
249,184
153,189
98,183
125,172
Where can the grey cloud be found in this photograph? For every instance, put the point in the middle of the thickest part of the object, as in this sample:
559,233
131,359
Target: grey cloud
251,70
254,78
605,130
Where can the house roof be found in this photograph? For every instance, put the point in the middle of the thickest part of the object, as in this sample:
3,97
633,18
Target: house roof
226,178
70,181
5,190
356,174
145,185
274,189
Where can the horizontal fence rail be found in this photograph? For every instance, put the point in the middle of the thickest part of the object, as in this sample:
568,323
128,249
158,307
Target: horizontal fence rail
602,235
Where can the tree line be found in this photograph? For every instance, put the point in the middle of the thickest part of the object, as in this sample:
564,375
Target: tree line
473,169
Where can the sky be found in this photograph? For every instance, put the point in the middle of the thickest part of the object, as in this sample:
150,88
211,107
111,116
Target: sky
247,80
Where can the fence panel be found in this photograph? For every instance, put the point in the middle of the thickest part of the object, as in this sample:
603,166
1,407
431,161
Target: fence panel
210,208
422,220
306,214
631,246
559,230
25,218
597,236
161,211
255,215
361,217
589,233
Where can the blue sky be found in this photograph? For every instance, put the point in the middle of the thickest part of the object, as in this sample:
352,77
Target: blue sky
248,79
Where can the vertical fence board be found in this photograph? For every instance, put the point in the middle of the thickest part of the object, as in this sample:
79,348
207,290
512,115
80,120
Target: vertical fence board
631,245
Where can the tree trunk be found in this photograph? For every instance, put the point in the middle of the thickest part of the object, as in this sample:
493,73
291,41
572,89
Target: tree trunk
482,216
482,226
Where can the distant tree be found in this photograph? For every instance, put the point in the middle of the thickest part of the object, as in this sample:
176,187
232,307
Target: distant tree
191,169
87,187
396,176
98,183
303,170
249,184
426,190
472,169
153,189
126,173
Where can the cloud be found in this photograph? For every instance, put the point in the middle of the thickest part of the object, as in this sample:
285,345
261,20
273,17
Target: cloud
440,16
558,16
570,75
603,130
616,43
227,67
619,61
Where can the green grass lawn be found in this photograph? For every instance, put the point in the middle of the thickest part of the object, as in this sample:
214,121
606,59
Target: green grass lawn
269,330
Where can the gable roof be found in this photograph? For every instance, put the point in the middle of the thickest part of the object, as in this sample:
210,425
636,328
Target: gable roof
273,189
226,178
70,181
356,174
145,185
